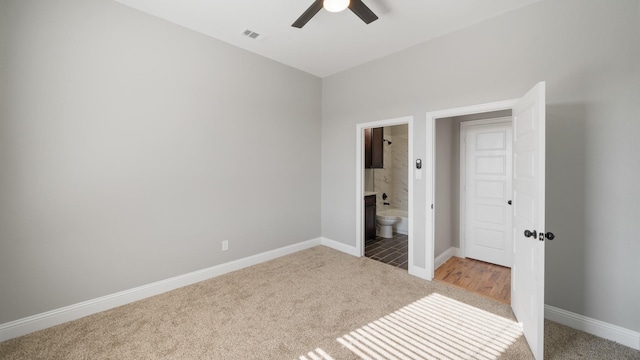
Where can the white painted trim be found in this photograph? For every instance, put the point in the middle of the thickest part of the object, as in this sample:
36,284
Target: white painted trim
446,255
430,196
359,189
47,319
410,193
360,180
595,327
54,317
473,109
430,157
347,249
422,273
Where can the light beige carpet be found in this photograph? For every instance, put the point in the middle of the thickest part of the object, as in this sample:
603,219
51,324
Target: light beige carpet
314,304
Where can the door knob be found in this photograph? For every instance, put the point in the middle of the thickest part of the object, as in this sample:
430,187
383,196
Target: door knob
533,234
550,235
509,202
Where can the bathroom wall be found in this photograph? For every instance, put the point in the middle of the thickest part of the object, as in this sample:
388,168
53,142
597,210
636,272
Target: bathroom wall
368,179
392,180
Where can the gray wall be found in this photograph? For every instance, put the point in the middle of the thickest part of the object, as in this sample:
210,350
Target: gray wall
589,54
130,147
445,187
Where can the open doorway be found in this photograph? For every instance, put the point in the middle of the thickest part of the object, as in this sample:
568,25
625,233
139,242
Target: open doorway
472,227
384,192
386,183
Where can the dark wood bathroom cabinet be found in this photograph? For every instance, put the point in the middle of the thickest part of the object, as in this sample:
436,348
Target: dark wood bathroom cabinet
369,217
373,153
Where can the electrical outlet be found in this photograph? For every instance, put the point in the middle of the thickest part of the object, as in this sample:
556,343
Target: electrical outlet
225,245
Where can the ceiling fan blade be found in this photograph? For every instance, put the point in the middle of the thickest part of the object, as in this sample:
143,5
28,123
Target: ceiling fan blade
363,12
308,14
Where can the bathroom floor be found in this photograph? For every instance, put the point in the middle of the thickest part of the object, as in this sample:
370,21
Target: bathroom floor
393,251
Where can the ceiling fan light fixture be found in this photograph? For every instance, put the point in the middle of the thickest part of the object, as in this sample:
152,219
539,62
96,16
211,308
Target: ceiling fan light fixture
335,5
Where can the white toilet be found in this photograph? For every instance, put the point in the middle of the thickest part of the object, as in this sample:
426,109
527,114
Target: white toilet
385,222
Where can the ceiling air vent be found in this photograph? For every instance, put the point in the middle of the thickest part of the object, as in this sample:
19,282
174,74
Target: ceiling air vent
253,35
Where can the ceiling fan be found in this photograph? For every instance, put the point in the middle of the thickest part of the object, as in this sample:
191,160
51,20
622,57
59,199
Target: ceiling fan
357,6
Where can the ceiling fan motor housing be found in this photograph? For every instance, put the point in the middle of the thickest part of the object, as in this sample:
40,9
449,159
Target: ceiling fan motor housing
356,6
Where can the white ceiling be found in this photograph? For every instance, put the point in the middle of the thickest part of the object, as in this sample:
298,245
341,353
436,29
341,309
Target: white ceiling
330,42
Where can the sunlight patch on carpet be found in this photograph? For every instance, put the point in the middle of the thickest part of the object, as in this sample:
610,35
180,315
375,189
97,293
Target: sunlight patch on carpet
434,327
317,354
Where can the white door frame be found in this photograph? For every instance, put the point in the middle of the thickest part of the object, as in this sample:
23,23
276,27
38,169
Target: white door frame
430,178
360,180
463,173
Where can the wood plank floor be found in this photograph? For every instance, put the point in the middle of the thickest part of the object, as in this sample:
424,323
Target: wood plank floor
493,281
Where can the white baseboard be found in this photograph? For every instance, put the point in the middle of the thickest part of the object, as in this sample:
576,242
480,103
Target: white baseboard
446,255
351,250
422,273
348,249
592,326
47,319
437,262
595,327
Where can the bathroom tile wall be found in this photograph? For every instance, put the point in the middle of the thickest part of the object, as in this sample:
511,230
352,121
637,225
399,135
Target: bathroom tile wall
392,179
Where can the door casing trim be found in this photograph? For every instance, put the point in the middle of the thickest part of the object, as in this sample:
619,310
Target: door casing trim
360,180
428,271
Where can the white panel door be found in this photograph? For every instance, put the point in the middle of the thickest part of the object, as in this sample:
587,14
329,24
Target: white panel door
527,276
488,230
